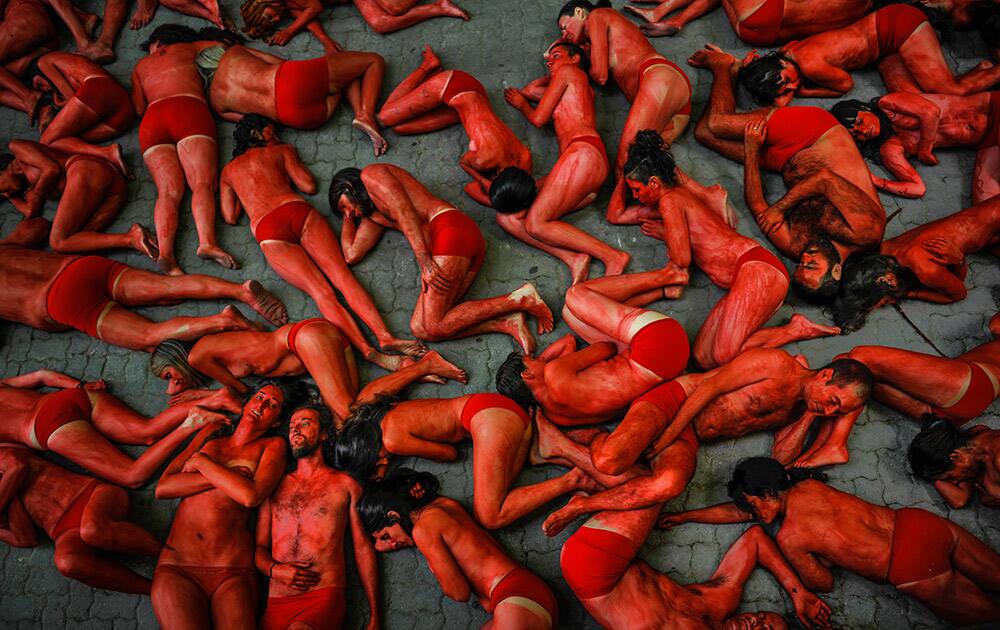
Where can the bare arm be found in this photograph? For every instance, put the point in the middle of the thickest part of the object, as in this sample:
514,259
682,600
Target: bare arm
42,378
720,514
580,360
52,69
927,113
597,32
229,200
613,453
358,240
298,171
205,362
442,564
541,115
908,181
829,80
19,529
174,483
262,552
675,229
305,12
364,558
956,495
815,575
534,90
247,492
30,153
138,97
395,203
770,219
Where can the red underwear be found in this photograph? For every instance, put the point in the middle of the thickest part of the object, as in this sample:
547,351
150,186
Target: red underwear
893,26
118,186
992,136
58,409
762,27
593,560
82,291
594,141
300,92
921,547
170,120
478,402
453,233
524,584
207,579
109,100
296,329
459,83
977,398
660,61
661,347
669,397
284,223
321,609
73,515
761,254
792,129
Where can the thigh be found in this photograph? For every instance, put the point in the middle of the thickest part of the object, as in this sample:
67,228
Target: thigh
662,93
345,67
425,98
107,503
178,602
86,186
758,291
896,76
234,604
114,418
165,167
199,157
986,175
921,53
499,448
106,213
576,174
295,266
433,301
80,443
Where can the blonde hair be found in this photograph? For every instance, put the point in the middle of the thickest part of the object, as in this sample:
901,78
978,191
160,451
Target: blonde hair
252,11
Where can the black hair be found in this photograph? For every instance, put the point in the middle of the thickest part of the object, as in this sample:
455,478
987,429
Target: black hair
930,451
826,292
762,77
846,112
248,132
325,424
360,441
573,49
986,15
293,393
5,160
347,181
764,477
404,491
167,34
512,190
573,5
863,285
511,384
33,70
648,157
851,373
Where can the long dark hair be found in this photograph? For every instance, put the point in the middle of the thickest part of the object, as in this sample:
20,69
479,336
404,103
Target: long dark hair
930,451
764,477
573,5
167,34
360,441
846,112
862,285
512,190
404,491
347,181
249,133
648,157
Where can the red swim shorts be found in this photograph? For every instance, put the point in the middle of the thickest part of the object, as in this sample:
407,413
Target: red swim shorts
524,585
478,402
921,547
58,409
170,120
73,515
300,92
661,347
761,254
284,223
976,399
453,233
762,27
593,560
109,100
82,292
660,61
893,26
322,609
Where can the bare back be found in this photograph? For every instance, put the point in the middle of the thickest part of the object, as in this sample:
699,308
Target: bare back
715,246
171,71
848,48
25,278
627,48
48,490
601,391
244,353
969,230
261,180
424,203
244,82
19,408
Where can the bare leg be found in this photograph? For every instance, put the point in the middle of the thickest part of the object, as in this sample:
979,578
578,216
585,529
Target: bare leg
168,175
105,525
578,262
79,561
179,603
328,358
383,22
119,423
199,157
234,604
114,19
344,69
921,53
721,127
986,175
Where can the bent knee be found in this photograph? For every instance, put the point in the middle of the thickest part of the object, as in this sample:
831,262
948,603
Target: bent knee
489,517
72,564
609,463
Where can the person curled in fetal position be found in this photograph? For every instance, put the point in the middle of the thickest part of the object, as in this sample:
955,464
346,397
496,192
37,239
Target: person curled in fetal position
432,98
923,555
177,136
895,127
657,88
959,463
86,519
26,32
565,97
405,511
449,248
501,434
632,350
296,240
926,263
301,530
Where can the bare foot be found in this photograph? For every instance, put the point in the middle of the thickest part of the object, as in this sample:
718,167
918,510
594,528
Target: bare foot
674,292
236,320
90,24
533,303
558,520
439,366
98,53
584,482
169,267
543,445
616,265
806,329
430,61
646,14
516,325
261,300
389,362
143,241
579,268
985,64
118,159
223,399
712,57
827,455
451,9
219,255
143,14
378,142
410,347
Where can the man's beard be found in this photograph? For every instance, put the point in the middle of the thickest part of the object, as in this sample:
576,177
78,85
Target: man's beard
304,451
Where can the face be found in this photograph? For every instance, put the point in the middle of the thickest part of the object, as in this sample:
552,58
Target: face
271,16
756,621
765,509
392,538
41,84
348,207
11,183
268,134
571,26
263,409
866,126
305,432
944,5
558,56
827,399
381,465
649,193
813,266
176,381
963,467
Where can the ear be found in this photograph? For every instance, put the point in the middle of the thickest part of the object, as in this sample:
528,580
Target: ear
580,13
826,374
393,516
836,271
527,374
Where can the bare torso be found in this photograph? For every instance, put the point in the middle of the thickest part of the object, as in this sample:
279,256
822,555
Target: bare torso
600,391
75,69
48,491
171,71
434,419
423,202
25,278
848,48
492,145
574,116
261,181
627,48
964,120
244,83
246,353
970,230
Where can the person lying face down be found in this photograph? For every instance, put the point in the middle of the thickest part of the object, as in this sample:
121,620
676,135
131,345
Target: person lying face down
959,463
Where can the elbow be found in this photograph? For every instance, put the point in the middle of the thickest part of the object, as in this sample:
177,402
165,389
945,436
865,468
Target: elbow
458,594
609,464
822,584
351,257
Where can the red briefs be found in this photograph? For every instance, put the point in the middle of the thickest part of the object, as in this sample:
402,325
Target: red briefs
594,141
284,223
761,254
977,398
300,92
478,402
661,347
660,61
207,579
921,547
170,120
992,136
761,28
459,83
893,26
296,329
792,129
73,515
58,409
82,292
523,584
109,100
453,233
322,609
118,186
593,560
668,397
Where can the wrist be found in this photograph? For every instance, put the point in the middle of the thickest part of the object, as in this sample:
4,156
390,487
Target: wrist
270,569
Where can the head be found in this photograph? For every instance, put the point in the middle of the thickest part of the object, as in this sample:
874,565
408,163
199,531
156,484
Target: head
650,167
817,277
838,387
763,620
869,281
310,427
359,450
167,34
35,78
563,53
169,361
512,190
987,16
573,16
349,195
263,410
11,181
253,131
386,509
759,484
940,452
868,124
513,376
261,17
770,79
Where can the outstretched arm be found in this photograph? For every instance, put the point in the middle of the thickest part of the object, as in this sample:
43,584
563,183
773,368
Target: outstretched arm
42,378
364,558
720,514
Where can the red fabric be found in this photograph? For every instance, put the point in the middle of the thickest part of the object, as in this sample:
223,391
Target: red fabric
322,609
478,402
660,61
73,515
662,348
977,398
594,141
459,83
170,120
59,409
790,130
296,329
893,26
81,292
921,547
992,136
107,99
118,186
300,92
207,579
761,28
523,583
284,223
593,560
453,233
761,254
668,397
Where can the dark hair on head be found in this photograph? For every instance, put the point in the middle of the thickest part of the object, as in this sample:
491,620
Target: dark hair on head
846,112
573,49
167,34
512,190
826,292
5,160
360,441
986,15
511,384
764,477
648,157
174,353
851,373
347,181
573,5
863,285
762,77
404,491
32,71
930,451
249,132
325,424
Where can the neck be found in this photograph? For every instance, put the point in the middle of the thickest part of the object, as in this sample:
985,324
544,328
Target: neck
311,463
246,433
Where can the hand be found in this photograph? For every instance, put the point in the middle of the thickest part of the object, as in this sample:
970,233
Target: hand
652,229
771,220
199,417
942,251
96,386
669,520
812,611
433,276
754,134
295,575
194,462
281,38
515,97
750,57
926,155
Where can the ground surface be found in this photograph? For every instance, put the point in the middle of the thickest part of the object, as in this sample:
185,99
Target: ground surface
502,46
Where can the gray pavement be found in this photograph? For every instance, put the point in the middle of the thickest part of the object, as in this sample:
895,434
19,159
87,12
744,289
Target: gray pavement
502,46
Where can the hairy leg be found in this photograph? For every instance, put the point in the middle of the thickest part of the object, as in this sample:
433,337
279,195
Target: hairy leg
383,21
921,53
